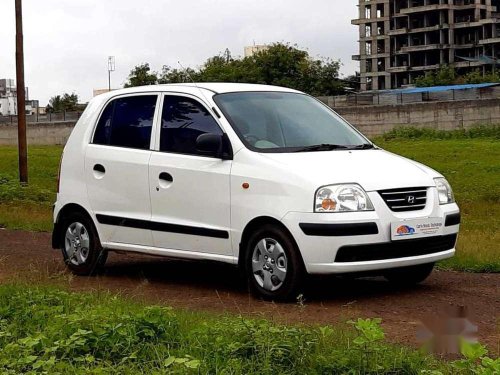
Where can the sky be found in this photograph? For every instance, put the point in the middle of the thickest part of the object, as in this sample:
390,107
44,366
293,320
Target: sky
67,42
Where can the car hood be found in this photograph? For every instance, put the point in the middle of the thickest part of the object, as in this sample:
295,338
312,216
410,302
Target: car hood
373,169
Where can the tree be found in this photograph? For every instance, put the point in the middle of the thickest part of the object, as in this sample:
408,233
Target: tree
477,76
281,64
353,82
445,76
141,75
169,75
66,102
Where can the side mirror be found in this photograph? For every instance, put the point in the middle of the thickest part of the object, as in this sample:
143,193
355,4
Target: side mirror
215,145
209,143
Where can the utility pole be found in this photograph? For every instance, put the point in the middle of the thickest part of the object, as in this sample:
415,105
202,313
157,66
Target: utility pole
227,55
21,96
111,68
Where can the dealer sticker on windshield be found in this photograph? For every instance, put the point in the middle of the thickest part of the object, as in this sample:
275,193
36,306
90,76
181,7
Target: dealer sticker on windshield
416,228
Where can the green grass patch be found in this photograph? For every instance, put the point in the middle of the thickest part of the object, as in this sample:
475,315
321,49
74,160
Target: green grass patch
28,207
44,330
472,166
470,160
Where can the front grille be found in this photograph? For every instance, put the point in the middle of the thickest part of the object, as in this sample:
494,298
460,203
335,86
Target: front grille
396,249
406,199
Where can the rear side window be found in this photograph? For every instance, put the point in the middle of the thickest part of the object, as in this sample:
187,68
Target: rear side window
127,122
183,121
102,133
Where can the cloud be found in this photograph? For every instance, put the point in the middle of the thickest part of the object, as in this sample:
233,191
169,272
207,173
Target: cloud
67,42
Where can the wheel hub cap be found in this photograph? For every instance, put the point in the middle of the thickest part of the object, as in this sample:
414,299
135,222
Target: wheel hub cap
269,264
76,244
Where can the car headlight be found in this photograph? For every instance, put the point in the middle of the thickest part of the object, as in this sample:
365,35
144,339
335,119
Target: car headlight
445,192
342,198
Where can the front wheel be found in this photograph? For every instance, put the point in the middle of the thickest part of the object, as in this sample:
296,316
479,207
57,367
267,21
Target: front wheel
409,275
80,245
273,264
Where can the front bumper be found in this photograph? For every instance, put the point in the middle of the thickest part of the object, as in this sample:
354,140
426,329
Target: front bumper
361,241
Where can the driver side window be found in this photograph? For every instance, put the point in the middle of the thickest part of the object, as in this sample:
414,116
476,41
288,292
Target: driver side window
183,121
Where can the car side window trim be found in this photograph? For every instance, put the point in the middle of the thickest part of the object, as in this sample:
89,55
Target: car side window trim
113,99
158,123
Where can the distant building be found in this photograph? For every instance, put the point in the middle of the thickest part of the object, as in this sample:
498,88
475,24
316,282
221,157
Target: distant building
7,87
400,40
252,50
8,99
8,106
32,107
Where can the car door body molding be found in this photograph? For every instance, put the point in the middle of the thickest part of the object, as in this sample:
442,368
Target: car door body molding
161,227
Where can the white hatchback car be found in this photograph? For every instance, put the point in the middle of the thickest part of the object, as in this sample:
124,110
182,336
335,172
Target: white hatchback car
266,178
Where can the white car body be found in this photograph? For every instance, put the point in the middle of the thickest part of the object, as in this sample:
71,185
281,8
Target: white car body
203,213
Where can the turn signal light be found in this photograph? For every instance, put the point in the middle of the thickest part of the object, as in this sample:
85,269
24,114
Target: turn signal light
328,204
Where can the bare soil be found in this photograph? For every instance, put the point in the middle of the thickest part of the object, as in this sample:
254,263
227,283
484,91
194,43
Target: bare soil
218,288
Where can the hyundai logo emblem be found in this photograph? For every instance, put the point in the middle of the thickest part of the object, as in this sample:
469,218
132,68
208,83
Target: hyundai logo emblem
411,199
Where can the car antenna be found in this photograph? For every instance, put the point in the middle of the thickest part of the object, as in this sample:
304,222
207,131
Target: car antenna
199,88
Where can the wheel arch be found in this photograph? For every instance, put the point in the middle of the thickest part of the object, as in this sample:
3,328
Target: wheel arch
68,209
252,226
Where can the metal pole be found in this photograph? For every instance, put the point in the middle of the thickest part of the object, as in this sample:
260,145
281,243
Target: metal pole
21,96
111,68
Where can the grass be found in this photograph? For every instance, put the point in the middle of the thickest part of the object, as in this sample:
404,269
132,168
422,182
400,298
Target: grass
47,330
28,207
472,166
469,159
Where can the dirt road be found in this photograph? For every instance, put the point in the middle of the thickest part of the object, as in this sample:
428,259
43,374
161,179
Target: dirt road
217,288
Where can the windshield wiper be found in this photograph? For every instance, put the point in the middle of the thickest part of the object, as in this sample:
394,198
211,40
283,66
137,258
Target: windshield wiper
323,147
364,146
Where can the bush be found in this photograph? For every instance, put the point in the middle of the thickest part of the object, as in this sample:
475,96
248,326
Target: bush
12,191
447,75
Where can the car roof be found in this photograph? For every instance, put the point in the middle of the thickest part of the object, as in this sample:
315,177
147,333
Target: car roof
194,88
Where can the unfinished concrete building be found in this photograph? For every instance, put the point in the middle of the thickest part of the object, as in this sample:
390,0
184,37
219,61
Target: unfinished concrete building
400,40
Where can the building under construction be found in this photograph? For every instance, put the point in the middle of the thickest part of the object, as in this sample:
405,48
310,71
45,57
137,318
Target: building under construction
400,40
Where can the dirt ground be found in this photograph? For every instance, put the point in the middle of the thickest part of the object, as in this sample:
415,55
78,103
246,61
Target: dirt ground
217,288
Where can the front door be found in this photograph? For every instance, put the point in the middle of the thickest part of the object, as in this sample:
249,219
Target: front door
189,191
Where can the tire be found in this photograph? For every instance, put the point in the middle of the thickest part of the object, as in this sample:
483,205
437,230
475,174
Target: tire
280,275
80,245
408,276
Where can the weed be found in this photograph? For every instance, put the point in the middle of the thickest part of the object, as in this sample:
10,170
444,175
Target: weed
45,330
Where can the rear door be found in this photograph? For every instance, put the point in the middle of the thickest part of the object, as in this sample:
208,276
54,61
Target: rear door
116,168
189,191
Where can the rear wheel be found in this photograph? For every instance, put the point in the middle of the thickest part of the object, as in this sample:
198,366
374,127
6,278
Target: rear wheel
80,245
409,275
273,264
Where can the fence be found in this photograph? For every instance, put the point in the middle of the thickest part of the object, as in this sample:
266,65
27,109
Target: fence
391,98
49,117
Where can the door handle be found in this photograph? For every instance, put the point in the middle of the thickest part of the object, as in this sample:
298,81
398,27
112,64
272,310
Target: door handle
99,168
167,177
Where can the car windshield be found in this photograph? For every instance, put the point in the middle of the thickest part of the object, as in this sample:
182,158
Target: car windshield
287,122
